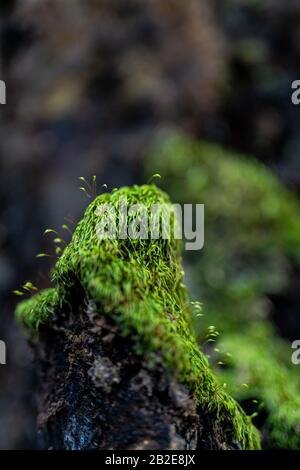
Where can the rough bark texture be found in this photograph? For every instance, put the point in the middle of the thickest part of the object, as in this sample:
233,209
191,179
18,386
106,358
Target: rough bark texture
95,393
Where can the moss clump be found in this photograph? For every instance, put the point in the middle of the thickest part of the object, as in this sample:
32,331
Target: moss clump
252,233
38,309
260,360
139,284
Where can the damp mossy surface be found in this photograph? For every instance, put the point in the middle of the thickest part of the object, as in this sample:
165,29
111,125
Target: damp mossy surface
139,284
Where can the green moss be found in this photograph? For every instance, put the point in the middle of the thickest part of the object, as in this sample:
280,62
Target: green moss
260,360
38,309
139,283
252,233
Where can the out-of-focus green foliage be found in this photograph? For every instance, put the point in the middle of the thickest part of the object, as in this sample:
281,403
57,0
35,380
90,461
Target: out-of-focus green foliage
138,283
258,367
252,233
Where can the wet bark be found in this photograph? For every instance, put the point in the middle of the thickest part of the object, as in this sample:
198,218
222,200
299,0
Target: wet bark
96,393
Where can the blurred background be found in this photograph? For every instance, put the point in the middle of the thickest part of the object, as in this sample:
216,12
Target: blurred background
199,91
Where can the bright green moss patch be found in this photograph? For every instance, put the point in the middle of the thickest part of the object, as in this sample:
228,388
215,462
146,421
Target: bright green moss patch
260,360
38,309
252,226
139,283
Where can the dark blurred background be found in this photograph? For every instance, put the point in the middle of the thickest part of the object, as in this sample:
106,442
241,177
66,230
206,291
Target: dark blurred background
89,86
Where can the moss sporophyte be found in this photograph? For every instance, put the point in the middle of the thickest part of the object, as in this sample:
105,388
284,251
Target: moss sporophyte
139,284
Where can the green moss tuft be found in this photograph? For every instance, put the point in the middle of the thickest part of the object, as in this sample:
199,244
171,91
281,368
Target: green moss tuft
139,283
38,309
252,226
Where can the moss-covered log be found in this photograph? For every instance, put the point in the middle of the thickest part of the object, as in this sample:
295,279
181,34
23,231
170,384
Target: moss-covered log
120,367
252,228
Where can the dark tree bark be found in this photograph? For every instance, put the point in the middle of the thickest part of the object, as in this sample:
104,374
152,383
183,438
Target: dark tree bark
95,393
